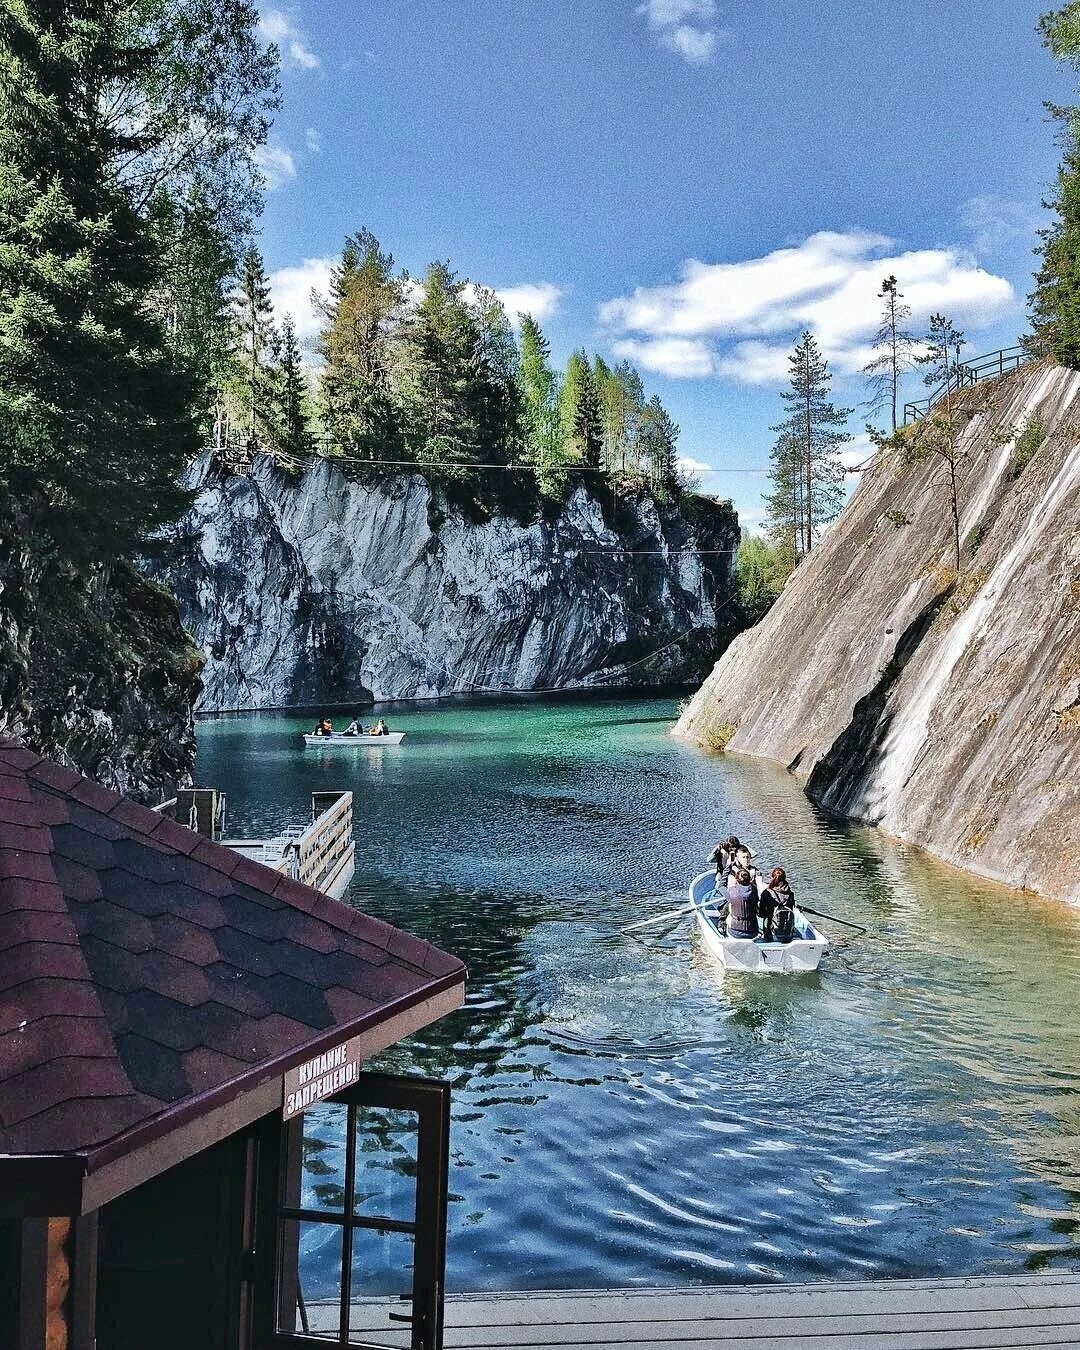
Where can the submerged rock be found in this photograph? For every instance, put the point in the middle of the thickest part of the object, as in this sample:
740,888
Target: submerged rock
943,708
319,589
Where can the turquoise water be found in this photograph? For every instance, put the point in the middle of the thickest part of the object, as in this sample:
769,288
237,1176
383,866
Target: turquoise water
624,1113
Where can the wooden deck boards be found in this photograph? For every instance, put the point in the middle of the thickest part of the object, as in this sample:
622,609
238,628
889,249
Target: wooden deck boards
996,1313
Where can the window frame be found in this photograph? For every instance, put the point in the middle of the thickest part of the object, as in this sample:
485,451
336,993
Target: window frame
429,1099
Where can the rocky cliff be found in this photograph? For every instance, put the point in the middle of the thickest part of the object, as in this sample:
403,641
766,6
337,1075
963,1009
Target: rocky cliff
943,708
319,589
97,673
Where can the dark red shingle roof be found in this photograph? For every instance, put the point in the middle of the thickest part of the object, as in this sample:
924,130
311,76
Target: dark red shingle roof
142,966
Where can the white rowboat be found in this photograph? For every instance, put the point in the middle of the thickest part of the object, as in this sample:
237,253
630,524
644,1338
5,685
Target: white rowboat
803,953
339,738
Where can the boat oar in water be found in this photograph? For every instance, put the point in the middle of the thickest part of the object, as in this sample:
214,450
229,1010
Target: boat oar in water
817,913
659,918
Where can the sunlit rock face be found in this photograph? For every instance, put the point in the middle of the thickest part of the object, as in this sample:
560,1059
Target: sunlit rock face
319,589
944,709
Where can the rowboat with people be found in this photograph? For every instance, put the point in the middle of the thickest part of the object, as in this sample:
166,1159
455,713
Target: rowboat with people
378,734
802,953
357,738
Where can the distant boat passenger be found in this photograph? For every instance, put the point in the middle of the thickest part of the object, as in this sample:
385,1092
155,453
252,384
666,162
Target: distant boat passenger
323,727
742,905
354,729
380,729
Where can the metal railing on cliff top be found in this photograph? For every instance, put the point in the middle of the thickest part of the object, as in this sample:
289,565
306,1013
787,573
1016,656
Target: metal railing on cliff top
987,367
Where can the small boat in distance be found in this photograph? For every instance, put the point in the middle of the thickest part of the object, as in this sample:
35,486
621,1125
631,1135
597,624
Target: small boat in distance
361,738
802,954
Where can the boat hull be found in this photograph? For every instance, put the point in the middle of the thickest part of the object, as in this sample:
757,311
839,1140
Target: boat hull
801,955
391,738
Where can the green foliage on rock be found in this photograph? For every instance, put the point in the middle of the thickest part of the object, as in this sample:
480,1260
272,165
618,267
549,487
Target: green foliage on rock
761,570
1028,444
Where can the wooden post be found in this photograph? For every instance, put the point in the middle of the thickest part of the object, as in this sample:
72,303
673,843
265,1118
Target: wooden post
58,1283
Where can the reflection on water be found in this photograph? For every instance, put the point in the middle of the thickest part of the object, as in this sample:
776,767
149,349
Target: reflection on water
624,1113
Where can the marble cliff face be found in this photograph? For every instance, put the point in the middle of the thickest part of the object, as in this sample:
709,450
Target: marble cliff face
943,708
319,589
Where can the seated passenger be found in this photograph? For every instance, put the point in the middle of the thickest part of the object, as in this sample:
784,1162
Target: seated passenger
353,729
722,856
742,905
780,899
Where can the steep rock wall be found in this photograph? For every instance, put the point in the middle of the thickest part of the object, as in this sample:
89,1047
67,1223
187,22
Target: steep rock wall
944,709
320,589
97,673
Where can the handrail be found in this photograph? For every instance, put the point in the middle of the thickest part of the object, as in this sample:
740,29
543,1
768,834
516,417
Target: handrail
988,367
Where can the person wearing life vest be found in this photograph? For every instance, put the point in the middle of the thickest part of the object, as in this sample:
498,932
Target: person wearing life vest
742,905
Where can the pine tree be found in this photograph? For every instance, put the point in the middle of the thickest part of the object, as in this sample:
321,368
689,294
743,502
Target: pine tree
95,420
806,461
540,409
292,404
579,413
942,345
1055,302
609,399
894,350
362,314
257,349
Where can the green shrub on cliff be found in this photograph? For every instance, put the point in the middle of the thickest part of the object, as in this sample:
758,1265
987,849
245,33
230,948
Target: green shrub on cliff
760,573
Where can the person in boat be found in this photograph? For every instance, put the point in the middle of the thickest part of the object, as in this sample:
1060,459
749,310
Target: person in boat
742,900
723,857
324,727
353,729
776,905
380,728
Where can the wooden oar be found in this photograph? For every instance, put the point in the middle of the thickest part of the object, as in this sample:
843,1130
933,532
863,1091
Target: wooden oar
659,918
832,918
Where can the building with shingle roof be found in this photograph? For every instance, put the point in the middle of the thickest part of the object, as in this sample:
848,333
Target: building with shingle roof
156,990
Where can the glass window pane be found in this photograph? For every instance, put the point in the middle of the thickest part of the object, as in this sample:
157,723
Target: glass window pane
311,1302
382,1284
323,1174
386,1143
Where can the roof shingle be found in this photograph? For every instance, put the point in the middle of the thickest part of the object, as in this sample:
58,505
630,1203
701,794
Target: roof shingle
141,966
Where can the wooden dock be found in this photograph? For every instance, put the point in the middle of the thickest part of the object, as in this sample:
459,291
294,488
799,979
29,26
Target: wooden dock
996,1313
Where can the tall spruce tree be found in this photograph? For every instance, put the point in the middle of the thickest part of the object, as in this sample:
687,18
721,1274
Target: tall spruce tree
496,393
806,459
439,359
293,415
362,315
657,435
579,413
1055,302
95,421
540,409
257,352
894,351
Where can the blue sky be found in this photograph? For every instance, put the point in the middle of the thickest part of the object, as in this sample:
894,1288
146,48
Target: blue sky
687,182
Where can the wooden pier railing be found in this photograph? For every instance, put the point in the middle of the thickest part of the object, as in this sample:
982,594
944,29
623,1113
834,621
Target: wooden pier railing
321,854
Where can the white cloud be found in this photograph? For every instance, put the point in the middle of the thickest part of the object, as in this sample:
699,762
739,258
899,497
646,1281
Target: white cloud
291,289
690,466
279,27
313,140
541,299
828,283
755,363
996,222
679,358
857,451
686,27
276,163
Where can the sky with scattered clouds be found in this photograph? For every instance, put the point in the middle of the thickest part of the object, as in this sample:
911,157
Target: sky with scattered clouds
686,183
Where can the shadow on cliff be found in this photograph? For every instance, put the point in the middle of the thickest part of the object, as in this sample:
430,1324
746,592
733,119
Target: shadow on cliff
840,773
